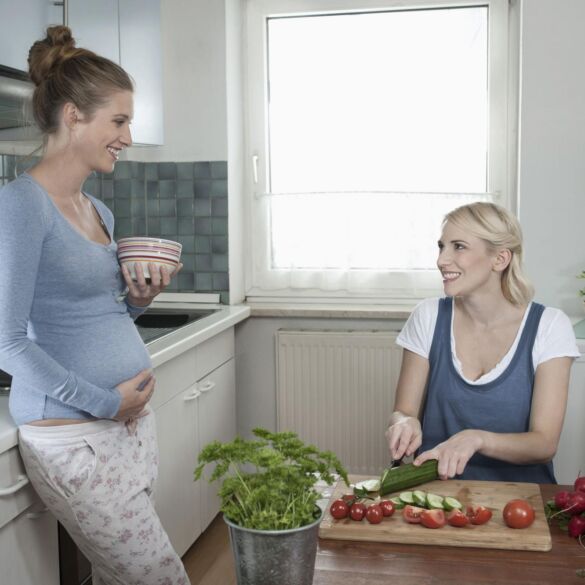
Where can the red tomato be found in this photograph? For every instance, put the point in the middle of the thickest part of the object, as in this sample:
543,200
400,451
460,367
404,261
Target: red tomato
374,514
339,509
579,485
433,518
457,518
479,514
518,514
349,499
357,512
387,507
412,514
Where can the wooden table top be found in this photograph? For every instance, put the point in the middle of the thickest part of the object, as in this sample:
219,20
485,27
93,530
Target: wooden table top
341,562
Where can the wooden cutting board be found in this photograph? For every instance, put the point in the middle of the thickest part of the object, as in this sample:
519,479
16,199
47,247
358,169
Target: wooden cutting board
495,534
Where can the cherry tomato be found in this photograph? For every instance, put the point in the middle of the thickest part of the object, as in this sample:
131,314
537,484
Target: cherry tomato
374,514
433,518
579,485
457,518
518,514
349,499
387,507
412,514
479,514
339,509
357,512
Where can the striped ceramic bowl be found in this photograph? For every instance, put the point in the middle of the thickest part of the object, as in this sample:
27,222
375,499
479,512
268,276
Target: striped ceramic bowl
144,250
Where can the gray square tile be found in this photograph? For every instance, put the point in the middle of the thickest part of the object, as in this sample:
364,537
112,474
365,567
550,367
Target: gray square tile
123,228
219,227
219,244
168,208
151,171
203,226
188,243
188,261
139,226
218,169
185,171
202,170
186,280
168,227
219,262
203,282
152,208
220,281
167,170
123,170
167,188
107,189
202,244
122,188
153,224
122,208
138,207
219,188
137,187
202,207
219,207
185,226
202,188
185,207
152,189
185,189
137,170
224,298
203,262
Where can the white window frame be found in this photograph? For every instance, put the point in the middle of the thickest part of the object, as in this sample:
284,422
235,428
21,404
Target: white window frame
399,287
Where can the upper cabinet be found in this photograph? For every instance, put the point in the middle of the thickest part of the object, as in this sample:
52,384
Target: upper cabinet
21,24
127,32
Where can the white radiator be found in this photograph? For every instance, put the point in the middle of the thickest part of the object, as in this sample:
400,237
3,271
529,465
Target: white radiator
336,390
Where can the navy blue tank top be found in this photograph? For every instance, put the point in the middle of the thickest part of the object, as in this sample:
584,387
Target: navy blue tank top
500,406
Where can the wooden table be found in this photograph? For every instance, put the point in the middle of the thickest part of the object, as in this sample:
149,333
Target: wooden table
367,563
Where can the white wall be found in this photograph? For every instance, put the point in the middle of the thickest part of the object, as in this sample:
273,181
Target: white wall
552,148
193,35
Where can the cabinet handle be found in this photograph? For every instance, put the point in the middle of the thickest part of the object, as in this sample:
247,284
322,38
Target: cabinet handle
21,481
207,386
194,394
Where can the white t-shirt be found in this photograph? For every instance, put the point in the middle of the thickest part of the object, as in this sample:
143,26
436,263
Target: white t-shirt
555,338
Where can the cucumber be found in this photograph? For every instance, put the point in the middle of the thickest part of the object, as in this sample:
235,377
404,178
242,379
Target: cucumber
407,498
435,501
452,504
407,476
398,503
420,498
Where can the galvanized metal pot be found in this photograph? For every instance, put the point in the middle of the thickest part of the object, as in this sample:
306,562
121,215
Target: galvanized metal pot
273,557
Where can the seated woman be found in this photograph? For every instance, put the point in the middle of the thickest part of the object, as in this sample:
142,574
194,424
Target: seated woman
485,370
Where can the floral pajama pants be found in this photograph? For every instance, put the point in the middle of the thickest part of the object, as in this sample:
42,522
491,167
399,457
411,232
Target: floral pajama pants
97,479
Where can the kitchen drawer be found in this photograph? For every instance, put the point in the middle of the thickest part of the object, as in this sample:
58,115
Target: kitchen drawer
213,353
12,473
183,371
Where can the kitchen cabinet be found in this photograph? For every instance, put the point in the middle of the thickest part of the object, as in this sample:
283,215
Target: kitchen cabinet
569,461
194,403
28,531
127,32
21,24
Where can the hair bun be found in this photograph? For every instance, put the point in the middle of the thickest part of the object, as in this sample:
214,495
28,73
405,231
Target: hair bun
47,54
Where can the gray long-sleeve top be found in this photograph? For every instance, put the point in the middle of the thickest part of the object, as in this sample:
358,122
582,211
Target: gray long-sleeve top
66,331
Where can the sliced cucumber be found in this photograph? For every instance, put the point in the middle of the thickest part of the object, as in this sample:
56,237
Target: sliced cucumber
420,498
452,504
435,501
398,503
370,485
407,498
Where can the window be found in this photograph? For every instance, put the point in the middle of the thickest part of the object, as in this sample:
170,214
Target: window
368,121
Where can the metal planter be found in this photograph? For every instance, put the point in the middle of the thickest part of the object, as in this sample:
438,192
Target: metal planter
271,557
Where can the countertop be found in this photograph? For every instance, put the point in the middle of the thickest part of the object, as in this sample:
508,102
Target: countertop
161,350
340,561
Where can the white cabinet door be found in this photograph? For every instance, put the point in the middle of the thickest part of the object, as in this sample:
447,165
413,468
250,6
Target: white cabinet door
29,552
570,458
21,24
217,422
177,495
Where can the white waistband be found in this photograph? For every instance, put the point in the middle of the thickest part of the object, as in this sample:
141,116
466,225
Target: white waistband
71,431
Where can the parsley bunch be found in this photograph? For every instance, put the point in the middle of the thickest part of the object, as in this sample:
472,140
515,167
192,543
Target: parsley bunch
279,493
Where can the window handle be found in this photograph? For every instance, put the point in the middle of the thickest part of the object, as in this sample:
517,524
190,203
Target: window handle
255,168
21,481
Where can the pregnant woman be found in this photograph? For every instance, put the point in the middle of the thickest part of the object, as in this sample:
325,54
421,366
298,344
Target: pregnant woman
82,376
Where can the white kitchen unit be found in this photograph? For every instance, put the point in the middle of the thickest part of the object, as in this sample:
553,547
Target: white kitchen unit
28,531
127,32
569,461
195,403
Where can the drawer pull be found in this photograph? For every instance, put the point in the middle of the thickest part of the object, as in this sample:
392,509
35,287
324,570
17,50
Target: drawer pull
21,481
192,396
207,386
37,515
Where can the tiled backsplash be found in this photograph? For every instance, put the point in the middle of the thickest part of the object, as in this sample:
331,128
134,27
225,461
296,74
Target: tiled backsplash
186,202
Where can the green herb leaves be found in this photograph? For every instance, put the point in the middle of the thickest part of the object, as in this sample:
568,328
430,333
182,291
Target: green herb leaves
269,483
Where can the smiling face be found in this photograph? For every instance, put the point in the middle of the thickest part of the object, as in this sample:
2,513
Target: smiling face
99,139
465,262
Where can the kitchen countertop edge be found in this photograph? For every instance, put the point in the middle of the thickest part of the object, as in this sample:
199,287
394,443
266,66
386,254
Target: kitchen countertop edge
161,350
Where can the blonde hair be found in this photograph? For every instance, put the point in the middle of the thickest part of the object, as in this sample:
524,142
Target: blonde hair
63,73
499,229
